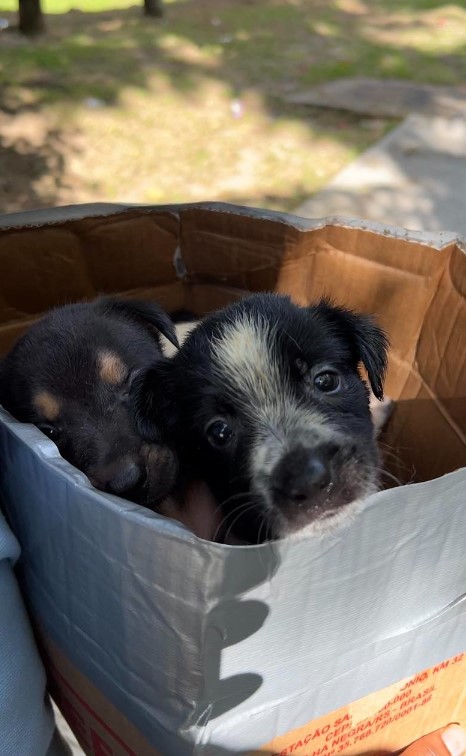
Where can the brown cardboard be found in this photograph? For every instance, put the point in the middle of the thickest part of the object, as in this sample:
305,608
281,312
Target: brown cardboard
99,728
385,721
202,257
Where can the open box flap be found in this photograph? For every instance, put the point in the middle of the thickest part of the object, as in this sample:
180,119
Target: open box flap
200,257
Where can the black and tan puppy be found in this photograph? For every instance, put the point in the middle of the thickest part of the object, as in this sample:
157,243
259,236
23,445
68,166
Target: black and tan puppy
71,375
264,402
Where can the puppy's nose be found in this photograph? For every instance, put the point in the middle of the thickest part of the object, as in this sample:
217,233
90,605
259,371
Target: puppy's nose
120,477
300,476
127,477
315,474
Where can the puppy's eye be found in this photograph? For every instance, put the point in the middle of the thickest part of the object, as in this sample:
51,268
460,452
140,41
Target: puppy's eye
50,432
327,382
219,432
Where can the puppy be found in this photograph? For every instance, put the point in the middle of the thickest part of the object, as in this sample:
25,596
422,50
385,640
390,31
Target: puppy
264,402
71,375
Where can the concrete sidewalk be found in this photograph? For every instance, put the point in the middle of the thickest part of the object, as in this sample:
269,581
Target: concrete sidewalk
414,178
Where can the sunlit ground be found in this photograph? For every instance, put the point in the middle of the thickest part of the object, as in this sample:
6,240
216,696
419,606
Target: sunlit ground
111,106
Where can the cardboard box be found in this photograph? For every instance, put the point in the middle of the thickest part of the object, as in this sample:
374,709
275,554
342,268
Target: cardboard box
156,642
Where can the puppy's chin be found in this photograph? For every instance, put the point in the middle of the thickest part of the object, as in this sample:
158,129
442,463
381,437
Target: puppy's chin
319,519
323,525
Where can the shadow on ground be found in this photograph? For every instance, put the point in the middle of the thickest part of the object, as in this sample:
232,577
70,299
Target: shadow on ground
91,60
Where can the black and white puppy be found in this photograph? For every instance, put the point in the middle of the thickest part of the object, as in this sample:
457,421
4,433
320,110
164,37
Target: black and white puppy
71,375
264,402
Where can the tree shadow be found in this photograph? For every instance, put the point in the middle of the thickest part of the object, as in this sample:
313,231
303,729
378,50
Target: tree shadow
90,59
41,167
103,52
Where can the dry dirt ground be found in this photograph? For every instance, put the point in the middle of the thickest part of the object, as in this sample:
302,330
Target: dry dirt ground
109,106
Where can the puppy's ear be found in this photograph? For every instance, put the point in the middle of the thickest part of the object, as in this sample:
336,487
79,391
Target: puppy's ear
372,345
147,313
152,396
369,342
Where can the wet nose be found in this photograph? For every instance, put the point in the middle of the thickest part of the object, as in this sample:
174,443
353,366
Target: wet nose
301,475
315,474
119,478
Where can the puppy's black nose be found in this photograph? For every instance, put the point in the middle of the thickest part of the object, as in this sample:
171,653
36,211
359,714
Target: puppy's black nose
300,476
128,476
315,474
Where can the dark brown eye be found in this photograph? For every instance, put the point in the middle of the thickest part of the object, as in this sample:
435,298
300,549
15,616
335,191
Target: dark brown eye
50,432
219,432
327,382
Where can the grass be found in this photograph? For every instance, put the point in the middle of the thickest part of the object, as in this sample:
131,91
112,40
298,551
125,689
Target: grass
85,6
111,106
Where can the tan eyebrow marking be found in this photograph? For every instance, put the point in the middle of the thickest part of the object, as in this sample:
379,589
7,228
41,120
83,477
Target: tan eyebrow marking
47,404
111,368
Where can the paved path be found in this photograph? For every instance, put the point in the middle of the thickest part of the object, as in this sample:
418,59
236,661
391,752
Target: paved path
414,178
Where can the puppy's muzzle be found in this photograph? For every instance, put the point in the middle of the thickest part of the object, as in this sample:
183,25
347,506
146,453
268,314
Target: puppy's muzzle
121,477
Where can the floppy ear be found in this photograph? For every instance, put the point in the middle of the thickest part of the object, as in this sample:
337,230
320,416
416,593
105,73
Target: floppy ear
372,345
152,396
369,342
147,313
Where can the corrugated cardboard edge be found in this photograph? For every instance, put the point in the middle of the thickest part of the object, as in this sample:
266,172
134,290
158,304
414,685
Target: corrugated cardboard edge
55,216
